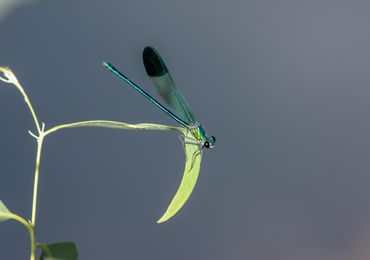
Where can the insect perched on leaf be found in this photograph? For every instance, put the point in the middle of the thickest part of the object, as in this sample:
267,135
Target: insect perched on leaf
163,82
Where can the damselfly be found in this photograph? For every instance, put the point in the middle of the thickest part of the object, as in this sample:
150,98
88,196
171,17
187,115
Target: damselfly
163,82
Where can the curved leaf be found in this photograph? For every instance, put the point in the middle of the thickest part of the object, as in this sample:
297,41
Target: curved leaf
3,211
193,155
189,179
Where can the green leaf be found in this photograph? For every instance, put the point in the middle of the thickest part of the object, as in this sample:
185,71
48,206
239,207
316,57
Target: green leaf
193,155
59,251
3,211
117,125
189,179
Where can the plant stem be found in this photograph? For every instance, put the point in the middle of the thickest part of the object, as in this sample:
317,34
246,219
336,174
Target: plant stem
30,107
30,230
40,140
12,79
44,248
33,243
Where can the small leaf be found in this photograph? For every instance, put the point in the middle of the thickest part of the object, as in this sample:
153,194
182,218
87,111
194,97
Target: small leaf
59,251
189,179
9,76
3,210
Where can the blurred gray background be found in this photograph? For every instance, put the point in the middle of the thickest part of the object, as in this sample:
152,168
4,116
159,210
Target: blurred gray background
283,85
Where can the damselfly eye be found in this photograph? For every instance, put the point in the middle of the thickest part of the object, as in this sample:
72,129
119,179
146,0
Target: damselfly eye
210,143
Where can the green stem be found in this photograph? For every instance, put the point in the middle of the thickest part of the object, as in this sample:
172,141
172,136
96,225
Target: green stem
33,244
30,107
12,79
44,248
30,230
37,167
40,140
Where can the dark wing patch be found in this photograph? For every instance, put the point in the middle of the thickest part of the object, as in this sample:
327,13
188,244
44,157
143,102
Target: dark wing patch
153,63
163,82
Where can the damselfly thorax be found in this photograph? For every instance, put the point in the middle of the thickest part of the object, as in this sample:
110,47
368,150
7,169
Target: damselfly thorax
199,134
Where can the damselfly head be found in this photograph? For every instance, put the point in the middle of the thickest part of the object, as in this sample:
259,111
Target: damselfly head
210,142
